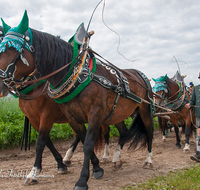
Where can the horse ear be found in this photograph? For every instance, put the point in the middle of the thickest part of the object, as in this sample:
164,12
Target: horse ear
5,26
23,25
164,78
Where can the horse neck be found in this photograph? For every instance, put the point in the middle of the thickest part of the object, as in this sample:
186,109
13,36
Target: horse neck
173,88
50,55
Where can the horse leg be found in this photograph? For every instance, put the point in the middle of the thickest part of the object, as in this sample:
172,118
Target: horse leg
182,134
70,151
88,148
192,135
163,126
141,131
147,123
31,178
106,134
117,163
186,149
62,168
177,136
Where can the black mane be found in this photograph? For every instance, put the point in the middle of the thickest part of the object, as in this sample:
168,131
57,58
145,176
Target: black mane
51,53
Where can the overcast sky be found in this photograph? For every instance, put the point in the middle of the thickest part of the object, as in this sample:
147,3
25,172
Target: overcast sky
151,32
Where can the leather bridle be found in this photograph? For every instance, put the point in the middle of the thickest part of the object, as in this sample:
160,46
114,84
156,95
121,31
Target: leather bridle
8,74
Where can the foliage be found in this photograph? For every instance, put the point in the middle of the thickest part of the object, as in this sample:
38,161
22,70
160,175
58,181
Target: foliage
12,122
61,132
182,179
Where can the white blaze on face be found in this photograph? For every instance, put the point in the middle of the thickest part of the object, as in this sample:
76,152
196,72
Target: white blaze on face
106,151
68,154
116,154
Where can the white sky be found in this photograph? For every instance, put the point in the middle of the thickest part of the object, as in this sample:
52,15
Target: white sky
151,31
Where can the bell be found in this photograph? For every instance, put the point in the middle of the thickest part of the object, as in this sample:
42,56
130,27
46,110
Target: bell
27,38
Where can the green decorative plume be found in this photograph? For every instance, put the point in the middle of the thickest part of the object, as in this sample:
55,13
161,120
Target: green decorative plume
23,25
15,38
160,79
5,26
160,84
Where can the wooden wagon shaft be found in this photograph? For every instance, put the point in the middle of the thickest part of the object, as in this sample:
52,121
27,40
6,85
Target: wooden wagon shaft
169,110
164,116
164,113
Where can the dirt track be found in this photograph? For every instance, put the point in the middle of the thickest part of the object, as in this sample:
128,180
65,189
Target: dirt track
166,157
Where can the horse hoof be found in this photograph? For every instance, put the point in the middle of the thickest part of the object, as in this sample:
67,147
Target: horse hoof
30,181
147,165
67,163
178,145
80,188
192,142
186,151
117,165
98,174
62,170
105,160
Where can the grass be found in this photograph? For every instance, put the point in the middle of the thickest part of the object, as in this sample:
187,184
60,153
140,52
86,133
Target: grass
185,179
12,122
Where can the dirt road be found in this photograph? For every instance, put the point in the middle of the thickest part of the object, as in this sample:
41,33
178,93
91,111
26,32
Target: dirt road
166,157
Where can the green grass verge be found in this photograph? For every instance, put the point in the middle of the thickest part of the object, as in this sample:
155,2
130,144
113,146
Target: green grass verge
185,179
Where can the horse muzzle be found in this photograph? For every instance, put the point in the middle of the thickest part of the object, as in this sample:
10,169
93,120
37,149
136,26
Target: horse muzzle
3,90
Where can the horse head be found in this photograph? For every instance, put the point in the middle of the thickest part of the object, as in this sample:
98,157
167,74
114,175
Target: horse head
39,51
14,47
2,86
160,89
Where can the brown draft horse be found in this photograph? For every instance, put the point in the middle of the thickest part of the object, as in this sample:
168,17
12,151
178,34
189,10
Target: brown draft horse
42,111
92,105
172,95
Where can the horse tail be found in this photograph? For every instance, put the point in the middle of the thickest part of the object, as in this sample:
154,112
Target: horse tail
136,133
26,137
99,141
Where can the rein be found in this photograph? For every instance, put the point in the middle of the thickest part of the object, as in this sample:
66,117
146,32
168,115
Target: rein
28,97
160,96
175,93
143,100
133,80
45,77
192,119
78,58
